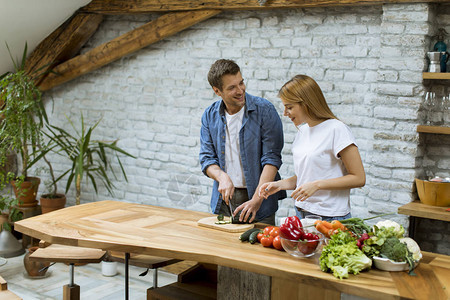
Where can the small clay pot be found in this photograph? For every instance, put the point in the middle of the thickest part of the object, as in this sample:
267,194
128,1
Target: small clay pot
34,268
52,204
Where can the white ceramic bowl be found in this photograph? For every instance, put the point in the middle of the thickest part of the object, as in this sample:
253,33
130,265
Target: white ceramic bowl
386,264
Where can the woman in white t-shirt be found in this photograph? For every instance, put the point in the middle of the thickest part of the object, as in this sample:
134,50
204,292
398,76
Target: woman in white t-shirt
327,163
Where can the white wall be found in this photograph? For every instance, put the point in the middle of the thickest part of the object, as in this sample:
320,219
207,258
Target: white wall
367,59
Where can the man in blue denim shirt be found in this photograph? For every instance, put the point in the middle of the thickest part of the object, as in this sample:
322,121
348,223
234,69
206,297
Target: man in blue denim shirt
241,141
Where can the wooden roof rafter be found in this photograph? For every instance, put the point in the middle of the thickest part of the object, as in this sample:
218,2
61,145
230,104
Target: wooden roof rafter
57,50
149,6
156,30
62,44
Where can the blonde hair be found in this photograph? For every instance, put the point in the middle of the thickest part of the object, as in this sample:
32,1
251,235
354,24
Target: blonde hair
303,90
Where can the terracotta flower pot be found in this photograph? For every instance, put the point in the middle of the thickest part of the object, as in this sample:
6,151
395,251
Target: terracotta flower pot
34,268
51,204
26,192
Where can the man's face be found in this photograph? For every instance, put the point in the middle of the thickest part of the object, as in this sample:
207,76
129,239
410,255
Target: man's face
232,93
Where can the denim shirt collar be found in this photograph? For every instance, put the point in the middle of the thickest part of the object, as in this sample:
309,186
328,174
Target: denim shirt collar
249,105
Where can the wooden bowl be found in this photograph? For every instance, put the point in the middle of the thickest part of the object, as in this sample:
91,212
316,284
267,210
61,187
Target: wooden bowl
433,193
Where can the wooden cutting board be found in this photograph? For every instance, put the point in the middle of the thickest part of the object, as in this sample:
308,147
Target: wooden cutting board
210,223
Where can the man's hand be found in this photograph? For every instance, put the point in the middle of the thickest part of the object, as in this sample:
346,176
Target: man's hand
248,208
226,187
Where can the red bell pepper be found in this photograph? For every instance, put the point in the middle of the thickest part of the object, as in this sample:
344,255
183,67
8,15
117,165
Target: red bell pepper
295,221
292,229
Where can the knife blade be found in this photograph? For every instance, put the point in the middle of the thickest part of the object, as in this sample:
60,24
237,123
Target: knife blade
231,210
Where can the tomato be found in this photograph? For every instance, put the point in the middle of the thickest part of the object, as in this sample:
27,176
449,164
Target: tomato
260,235
307,247
308,236
267,241
275,232
267,230
303,247
277,243
312,245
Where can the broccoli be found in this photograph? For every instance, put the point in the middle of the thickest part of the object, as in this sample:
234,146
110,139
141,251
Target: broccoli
395,250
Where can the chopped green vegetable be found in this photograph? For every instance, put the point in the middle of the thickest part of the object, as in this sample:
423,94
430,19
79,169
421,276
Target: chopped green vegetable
220,217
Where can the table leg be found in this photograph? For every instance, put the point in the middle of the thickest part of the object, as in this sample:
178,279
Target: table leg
155,278
288,289
412,226
71,291
72,274
235,284
127,258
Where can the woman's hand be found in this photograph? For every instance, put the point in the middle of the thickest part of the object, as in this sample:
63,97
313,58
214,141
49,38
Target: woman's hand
305,191
269,188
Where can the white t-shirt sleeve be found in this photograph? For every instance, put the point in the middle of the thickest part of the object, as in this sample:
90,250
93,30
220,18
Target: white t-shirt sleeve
343,138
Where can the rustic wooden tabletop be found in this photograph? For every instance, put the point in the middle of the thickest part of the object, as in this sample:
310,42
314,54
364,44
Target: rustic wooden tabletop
174,233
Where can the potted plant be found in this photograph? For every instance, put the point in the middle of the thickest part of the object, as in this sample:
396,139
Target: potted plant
89,158
51,200
109,266
22,118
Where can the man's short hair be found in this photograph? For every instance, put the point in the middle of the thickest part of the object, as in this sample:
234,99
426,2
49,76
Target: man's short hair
220,68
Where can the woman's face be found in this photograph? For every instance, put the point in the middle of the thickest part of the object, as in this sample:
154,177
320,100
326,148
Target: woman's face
295,112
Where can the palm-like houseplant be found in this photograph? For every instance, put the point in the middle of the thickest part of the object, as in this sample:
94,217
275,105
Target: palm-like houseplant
22,118
89,158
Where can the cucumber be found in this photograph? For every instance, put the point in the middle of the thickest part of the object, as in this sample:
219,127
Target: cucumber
253,238
245,236
222,222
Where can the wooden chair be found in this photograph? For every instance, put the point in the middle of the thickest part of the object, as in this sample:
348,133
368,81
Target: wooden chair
69,255
5,293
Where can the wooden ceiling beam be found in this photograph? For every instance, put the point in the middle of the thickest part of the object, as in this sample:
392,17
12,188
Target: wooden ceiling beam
62,44
166,25
148,6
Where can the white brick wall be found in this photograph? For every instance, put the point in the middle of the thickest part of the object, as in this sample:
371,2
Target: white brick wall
368,61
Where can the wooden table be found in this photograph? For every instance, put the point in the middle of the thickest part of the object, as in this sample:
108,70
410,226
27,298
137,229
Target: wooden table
169,232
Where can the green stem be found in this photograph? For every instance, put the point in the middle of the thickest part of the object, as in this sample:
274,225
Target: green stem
377,216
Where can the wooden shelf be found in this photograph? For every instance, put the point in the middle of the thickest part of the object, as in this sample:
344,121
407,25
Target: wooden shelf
433,129
431,75
418,209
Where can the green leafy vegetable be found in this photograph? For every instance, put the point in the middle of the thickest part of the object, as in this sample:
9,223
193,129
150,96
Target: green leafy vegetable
386,243
356,225
342,256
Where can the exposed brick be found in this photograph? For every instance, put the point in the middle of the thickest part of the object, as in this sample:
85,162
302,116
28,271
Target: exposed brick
367,60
